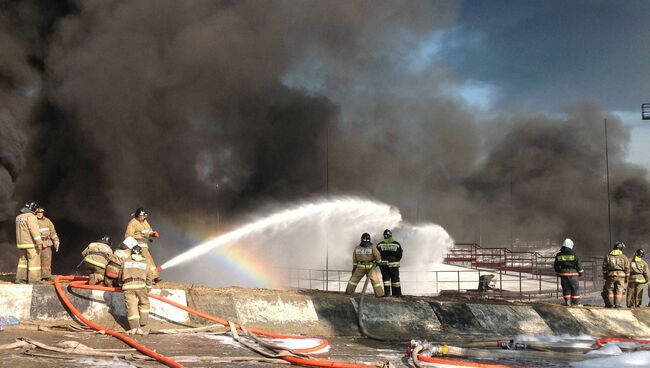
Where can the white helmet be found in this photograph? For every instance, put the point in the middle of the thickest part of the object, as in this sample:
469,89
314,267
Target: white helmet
130,242
568,243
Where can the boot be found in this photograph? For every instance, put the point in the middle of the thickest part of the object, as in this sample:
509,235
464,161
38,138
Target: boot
132,331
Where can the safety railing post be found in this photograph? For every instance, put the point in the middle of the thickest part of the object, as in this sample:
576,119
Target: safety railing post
520,293
437,289
458,276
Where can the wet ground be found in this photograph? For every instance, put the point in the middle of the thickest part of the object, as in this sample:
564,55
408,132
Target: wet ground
222,349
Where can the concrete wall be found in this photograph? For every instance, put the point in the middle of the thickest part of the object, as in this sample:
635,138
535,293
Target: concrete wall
333,314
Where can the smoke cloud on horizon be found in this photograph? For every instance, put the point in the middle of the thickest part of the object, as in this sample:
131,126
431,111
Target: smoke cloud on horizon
203,111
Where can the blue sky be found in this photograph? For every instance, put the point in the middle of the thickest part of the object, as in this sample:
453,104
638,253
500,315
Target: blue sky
540,56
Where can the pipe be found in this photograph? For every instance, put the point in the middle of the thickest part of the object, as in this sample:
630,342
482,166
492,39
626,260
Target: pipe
82,283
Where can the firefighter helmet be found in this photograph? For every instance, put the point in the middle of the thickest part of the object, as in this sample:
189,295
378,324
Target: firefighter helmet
365,239
619,245
640,253
136,250
31,205
388,234
106,240
140,212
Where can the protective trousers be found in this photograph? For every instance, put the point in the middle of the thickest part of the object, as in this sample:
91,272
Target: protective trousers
570,289
29,266
95,273
46,263
613,291
634,294
358,273
150,263
137,307
390,275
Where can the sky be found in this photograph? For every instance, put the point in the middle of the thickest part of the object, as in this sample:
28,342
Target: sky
485,117
540,56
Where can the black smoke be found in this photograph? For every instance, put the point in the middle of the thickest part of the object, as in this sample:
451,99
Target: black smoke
201,111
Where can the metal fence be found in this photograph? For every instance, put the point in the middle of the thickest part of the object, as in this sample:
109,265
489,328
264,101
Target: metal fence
518,275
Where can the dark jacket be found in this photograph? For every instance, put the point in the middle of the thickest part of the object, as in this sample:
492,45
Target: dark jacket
567,263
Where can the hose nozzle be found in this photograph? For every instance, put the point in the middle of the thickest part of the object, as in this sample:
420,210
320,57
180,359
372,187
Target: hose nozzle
158,269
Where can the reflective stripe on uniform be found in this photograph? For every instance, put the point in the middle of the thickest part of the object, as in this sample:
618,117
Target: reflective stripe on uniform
393,264
376,286
96,263
135,285
34,268
566,257
135,316
144,310
568,274
387,283
353,283
112,275
396,284
26,246
22,265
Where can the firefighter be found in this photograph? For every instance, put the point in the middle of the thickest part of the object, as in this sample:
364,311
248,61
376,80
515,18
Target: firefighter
616,270
115,262
50,239
364,258
136,278
140,229
28,241
391,254
568,268
96,256
639,276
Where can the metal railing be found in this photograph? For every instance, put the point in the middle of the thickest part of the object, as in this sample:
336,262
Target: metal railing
518,275
510,284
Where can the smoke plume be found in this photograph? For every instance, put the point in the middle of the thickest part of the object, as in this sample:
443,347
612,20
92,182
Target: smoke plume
202,111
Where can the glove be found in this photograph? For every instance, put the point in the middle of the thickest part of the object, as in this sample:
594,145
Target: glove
580,273
155,234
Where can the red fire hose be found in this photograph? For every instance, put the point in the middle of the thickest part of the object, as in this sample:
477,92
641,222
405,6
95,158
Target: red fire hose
82,283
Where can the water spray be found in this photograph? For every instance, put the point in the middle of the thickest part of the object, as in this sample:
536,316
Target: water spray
376,214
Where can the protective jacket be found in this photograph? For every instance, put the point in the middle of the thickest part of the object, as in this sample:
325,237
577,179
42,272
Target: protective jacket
28,235
48,232
135,273
639,271
567,263
115,262
616,264
97,254
140,230
390,252
363,256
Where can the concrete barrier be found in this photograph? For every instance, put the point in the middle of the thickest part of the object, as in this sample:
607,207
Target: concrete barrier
334,314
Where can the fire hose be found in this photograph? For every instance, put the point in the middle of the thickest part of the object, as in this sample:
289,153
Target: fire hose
82,283
362,326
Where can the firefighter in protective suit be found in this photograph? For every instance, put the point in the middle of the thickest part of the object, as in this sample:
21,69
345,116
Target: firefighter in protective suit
96,256
140,229
50,239
115,262
639,276
28,241
391,254
616,270
136,278
567,266
364,258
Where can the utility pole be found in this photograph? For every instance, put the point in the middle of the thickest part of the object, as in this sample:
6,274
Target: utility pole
609,210
327,194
